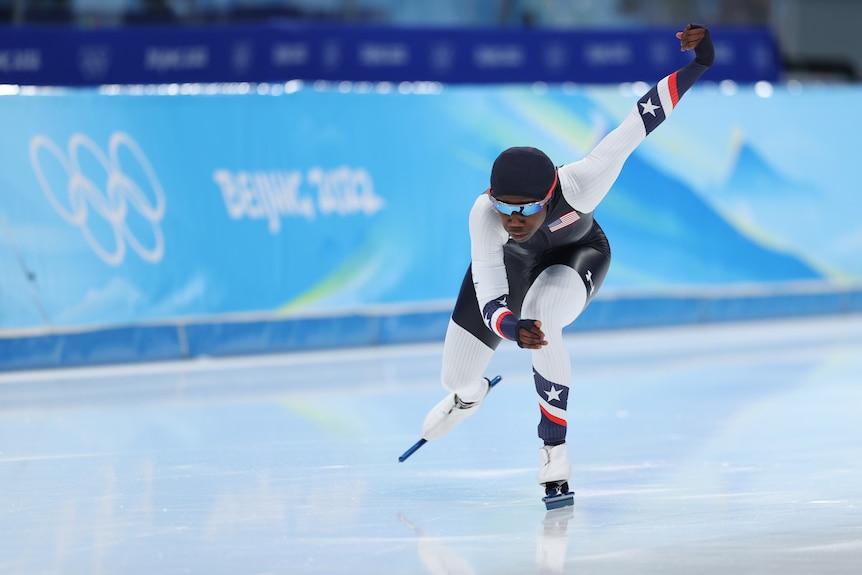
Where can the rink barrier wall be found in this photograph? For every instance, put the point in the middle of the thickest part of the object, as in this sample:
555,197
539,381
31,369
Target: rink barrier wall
303,238
269,335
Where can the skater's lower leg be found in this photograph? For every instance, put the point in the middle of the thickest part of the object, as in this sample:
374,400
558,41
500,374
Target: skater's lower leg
557,297
465,358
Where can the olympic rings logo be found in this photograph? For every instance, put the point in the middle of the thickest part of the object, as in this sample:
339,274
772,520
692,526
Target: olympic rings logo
120,192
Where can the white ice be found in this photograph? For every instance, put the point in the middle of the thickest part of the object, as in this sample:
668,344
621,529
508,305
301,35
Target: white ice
732,448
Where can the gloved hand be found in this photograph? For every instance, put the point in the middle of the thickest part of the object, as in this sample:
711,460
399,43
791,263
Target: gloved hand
697,37
530,334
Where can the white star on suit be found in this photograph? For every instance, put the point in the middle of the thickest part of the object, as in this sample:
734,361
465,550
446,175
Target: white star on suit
649,107
554,393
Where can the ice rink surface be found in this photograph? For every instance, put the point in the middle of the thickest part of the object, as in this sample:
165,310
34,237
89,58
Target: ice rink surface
731,448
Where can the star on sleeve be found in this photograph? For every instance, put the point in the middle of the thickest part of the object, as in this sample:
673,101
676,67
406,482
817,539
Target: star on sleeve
648,107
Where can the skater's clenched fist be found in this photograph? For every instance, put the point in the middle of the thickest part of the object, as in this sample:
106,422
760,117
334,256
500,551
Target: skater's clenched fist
690,37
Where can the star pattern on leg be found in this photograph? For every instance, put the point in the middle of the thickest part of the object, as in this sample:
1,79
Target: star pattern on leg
554,393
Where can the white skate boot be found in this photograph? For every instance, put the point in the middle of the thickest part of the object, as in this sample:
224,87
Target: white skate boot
554,472
451,411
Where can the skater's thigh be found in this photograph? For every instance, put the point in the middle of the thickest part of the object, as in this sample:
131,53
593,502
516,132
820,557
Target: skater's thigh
467,315
589,261
567,280
556,298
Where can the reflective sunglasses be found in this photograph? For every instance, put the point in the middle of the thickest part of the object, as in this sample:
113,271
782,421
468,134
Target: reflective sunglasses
525,210
522,209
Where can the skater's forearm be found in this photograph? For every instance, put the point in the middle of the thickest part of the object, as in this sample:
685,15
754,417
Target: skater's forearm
586,182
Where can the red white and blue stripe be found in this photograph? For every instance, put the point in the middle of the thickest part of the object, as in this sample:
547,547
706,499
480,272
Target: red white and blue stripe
500,318
657,104
553,402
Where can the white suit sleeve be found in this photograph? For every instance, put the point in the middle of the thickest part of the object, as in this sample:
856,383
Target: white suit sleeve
487,238
586,182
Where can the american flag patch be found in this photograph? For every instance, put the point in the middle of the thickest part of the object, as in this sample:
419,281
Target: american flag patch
566,220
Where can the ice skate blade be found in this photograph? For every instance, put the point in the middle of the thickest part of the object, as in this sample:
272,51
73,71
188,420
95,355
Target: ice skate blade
557,501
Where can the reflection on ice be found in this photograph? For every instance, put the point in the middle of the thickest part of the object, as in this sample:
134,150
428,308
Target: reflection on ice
552,541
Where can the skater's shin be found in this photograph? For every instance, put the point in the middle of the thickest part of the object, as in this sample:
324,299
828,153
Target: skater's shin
465,358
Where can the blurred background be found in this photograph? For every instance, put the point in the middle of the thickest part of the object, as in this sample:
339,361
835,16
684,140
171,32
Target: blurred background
814,35
211,177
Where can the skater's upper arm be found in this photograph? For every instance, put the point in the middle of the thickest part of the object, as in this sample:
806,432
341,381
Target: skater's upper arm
487,238
586,182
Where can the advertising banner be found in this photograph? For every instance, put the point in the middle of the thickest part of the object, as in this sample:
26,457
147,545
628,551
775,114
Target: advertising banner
125,208
281,51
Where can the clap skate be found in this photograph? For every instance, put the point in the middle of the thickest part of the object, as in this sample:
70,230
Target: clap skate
557,495
449,413
554,476
445,416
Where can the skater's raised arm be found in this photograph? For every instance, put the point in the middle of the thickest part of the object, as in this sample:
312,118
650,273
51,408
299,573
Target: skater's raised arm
521,191
586,182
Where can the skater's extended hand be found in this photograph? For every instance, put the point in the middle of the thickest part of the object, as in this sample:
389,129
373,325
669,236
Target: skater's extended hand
696,37
690,37
530,334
